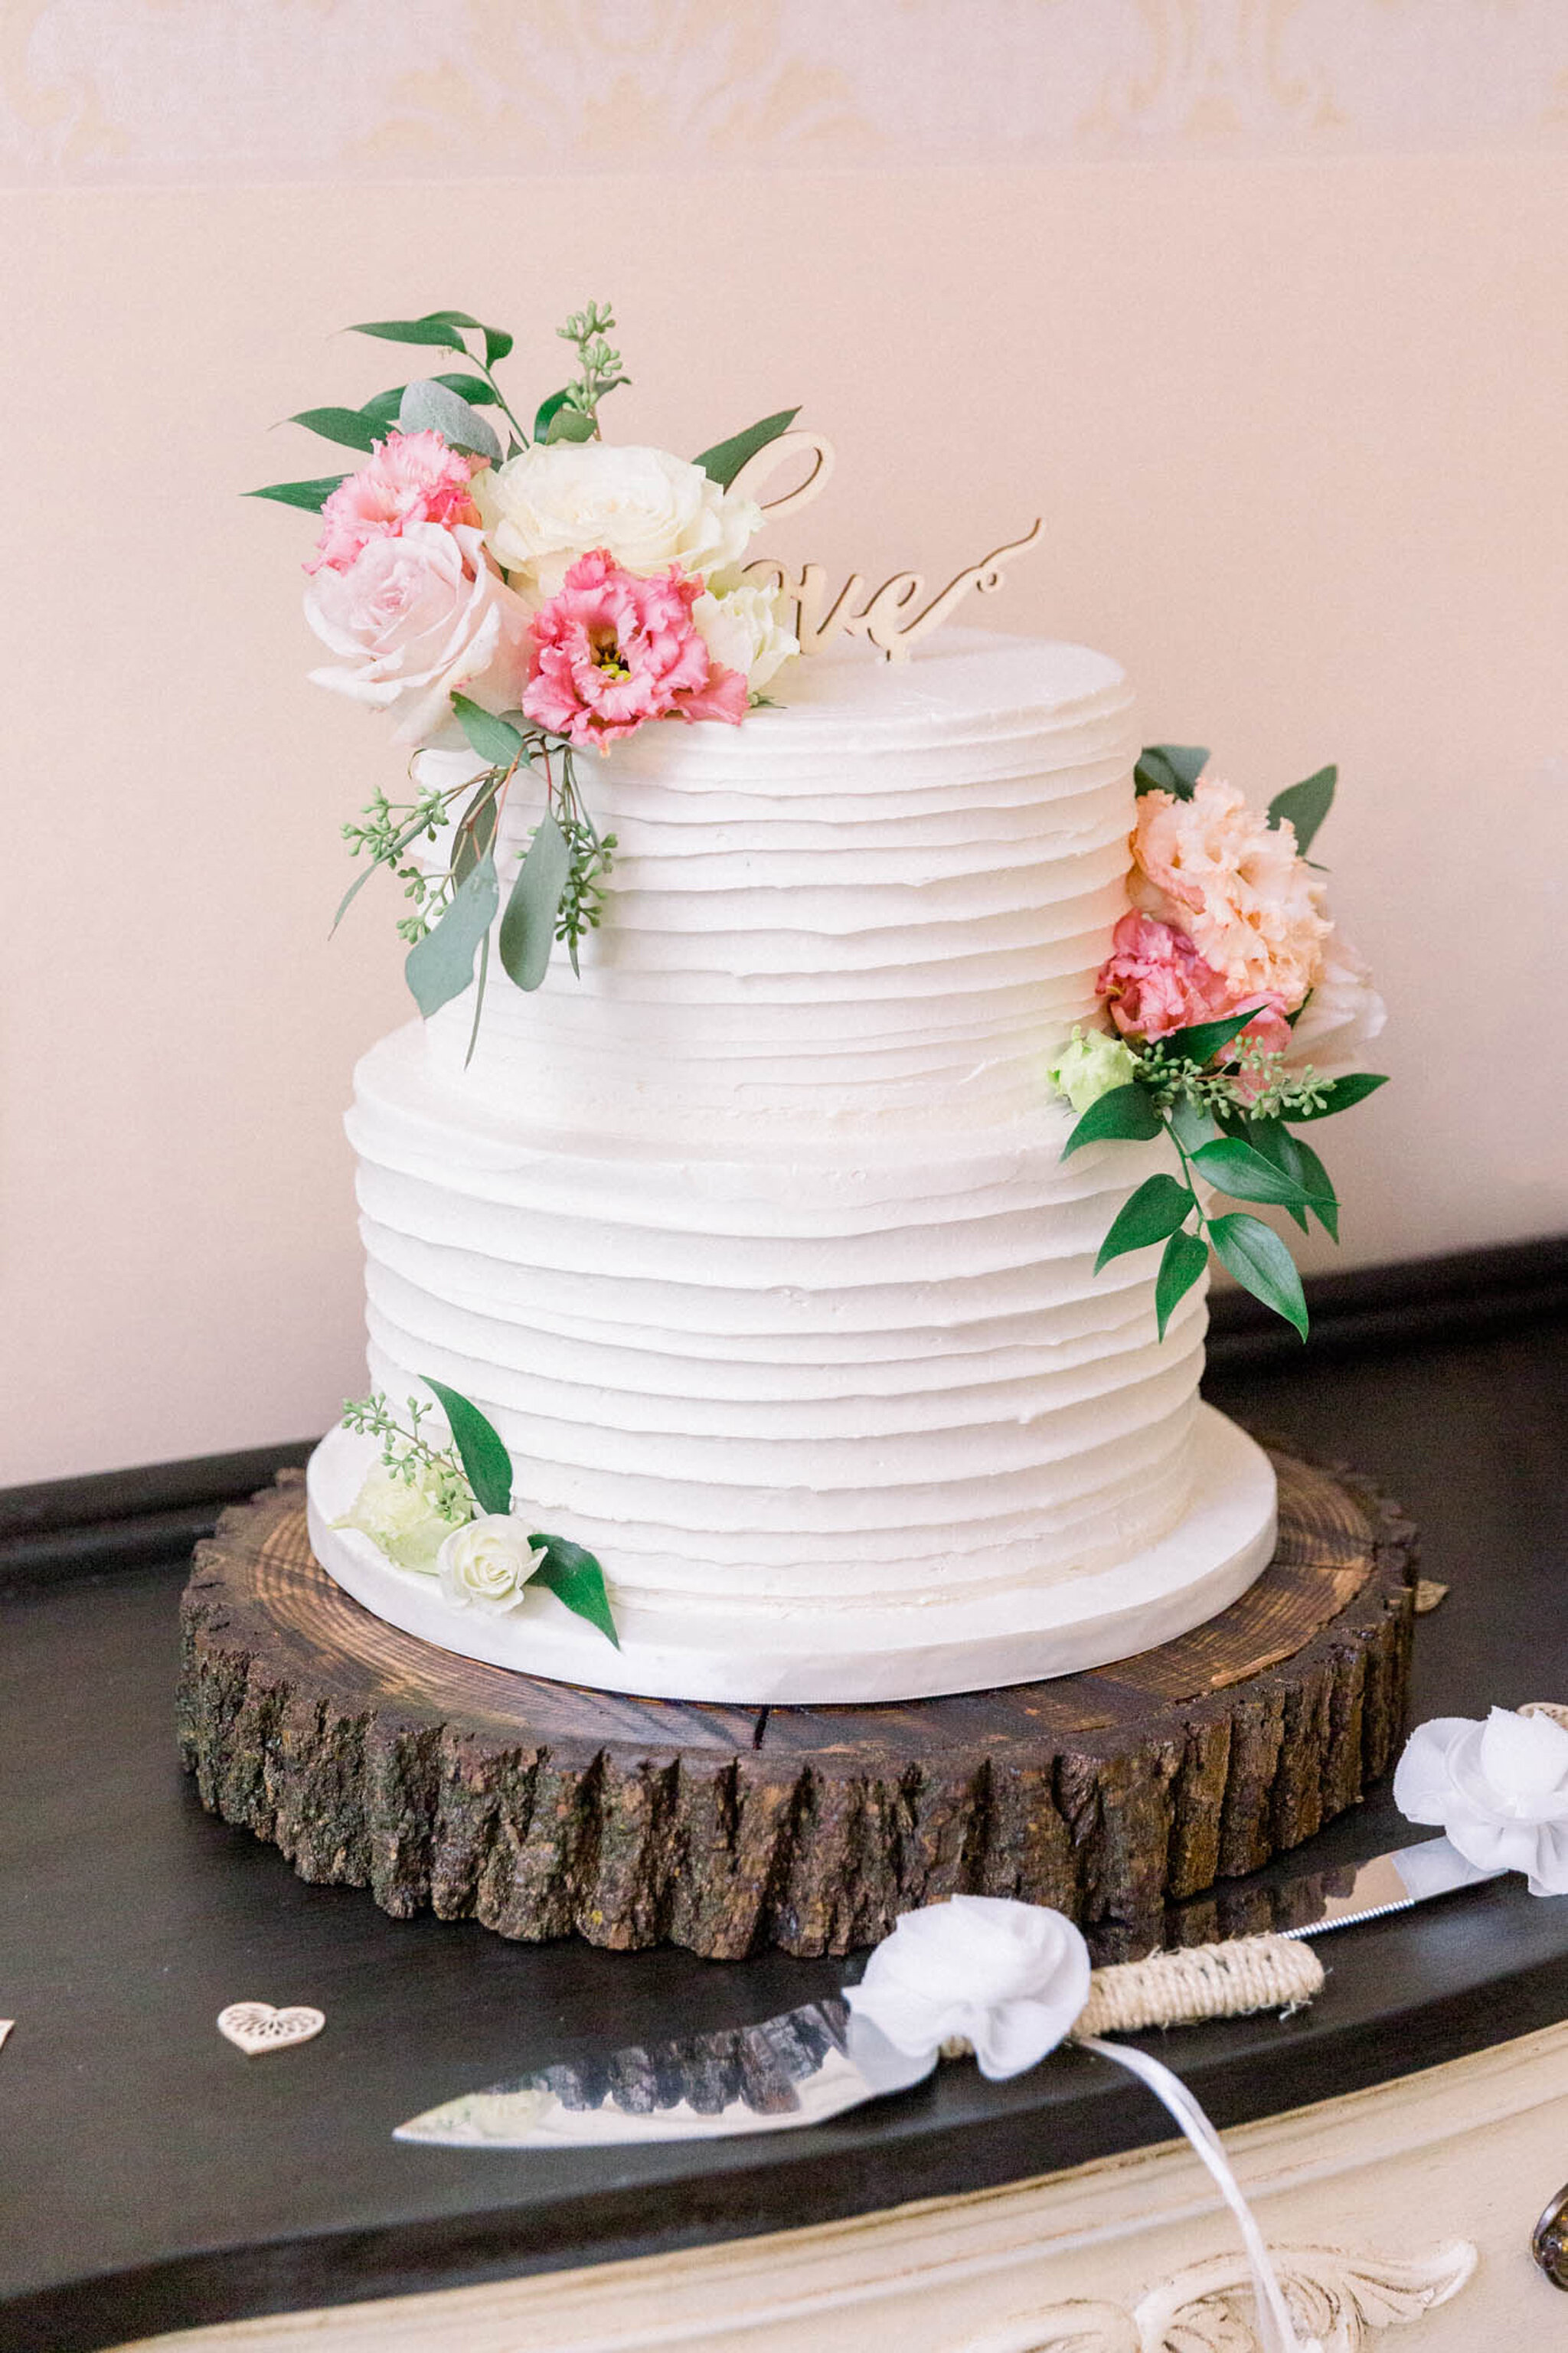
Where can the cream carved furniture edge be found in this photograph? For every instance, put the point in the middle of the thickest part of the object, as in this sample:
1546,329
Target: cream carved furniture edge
1397,2208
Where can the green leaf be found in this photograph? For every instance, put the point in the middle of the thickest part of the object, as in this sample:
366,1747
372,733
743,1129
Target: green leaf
1204,1039
483,976
434,328
311,496
349,425
1245,1173
1305,804
725,459
1260,1262
1189,1125
1353,1088
1302,1163
493,739
1183,1260
1125,1115
1170,768
549,408
485,1460
1155,1210
476,831
453,319
352,894
498,343
440,966
569,425
470,388
575,1577
528,926
381,413
427,403
1273,1140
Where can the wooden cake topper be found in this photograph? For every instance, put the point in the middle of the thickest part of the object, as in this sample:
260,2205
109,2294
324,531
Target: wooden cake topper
892,617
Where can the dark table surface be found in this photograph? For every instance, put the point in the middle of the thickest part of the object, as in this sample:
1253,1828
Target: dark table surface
154,2179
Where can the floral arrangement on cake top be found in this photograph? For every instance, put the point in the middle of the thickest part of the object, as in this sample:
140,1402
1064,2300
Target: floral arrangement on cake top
1225,978
508,607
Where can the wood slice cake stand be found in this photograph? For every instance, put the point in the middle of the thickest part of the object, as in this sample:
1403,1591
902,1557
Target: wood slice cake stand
546,1809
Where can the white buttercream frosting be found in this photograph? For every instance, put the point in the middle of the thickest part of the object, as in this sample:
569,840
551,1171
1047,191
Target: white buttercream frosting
755,1243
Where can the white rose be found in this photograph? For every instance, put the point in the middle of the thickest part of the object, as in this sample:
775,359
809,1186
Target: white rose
742,631
1343,1014
1091,1066
1500,1789
556,501
1010,1977
400,1515
488,1563
415,616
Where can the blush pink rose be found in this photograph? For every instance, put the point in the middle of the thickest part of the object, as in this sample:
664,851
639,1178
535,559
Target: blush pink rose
1236,886
415,616
409,478
613,649
1154,980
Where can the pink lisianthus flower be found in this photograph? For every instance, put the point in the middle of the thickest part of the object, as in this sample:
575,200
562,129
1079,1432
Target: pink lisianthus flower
1154,980
613,649
409,478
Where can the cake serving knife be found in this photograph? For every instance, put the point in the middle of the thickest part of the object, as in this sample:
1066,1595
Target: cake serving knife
815,2062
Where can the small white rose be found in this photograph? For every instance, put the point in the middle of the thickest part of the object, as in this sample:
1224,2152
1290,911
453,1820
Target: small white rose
414,616
742,631
1343,1014
1090,1067
487,1563
1010,1977
1498,1788
400,1515
556,501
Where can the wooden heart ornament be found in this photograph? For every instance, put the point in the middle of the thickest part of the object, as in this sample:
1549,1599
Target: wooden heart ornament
256,2026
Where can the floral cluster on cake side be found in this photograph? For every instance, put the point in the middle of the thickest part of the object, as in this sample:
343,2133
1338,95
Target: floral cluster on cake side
508,606
1234,1010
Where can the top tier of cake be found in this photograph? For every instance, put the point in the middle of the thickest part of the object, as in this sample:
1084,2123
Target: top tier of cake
881,907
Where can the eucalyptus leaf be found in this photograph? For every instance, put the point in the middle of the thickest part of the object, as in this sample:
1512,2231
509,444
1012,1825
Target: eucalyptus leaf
1260,1262
1154,1210
349,425
476,831
725,459
486,1462
427,403
575,1577
528,926
434,329
1247,1176
569,425
1170,768
493,739
311,496
1190,1125
1183,1260
480,978
440,966
1305,806
352,894
1341,1093
1124,1114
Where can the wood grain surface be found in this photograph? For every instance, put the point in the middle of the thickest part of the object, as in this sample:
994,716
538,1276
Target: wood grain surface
546,1809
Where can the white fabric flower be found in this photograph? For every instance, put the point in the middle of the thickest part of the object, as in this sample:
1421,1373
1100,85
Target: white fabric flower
1342,1016
742,631
400,1515
1500,1789
556,501
415,616
487,1563
1010,1977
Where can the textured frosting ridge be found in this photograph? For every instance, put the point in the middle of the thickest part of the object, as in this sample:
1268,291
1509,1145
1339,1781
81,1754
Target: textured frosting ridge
756,1243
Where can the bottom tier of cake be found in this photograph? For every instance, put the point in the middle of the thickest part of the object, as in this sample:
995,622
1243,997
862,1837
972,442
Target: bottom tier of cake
914,1650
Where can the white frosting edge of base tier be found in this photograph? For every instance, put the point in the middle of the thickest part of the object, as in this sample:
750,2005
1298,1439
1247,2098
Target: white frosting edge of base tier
923,1651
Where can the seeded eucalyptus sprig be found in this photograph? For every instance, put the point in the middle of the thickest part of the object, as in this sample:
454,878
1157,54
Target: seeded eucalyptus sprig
409,1455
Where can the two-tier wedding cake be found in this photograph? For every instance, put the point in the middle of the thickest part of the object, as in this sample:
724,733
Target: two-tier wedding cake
787,1225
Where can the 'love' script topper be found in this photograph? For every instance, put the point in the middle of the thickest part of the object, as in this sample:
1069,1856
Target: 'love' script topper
891,616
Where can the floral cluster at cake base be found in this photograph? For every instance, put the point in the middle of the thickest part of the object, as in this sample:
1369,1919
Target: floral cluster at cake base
1234,1009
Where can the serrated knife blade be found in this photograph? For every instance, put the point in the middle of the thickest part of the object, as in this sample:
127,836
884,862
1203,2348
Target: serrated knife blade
800,2068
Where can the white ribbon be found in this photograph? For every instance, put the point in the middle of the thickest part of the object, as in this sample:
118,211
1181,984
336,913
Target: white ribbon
1011,1979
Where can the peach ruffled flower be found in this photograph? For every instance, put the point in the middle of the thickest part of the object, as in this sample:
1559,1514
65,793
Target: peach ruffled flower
1219,872
613,650
409,478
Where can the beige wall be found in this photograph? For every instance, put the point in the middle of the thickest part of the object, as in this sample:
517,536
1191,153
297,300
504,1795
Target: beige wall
1296,424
